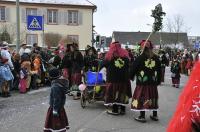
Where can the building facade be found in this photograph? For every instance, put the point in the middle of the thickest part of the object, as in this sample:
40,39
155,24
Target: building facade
73,20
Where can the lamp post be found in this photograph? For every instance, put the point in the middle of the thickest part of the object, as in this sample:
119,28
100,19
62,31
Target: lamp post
18,25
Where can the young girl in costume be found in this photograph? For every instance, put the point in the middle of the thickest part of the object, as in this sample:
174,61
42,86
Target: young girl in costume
56,119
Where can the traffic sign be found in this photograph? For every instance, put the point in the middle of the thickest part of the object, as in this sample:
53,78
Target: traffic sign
196,45
35,23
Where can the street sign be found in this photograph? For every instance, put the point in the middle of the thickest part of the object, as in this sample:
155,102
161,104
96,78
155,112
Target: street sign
35,23
196,45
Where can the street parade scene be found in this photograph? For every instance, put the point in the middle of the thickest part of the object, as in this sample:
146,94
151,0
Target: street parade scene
83,66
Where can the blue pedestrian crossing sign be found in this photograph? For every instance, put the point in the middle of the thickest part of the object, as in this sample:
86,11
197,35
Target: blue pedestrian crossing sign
35,23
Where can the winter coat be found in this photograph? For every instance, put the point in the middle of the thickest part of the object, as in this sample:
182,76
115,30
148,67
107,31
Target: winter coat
57,95
117,70
146,70
5,54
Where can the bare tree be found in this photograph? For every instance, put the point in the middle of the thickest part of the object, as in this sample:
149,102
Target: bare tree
52,39
169,25
178,23
11,28
175,25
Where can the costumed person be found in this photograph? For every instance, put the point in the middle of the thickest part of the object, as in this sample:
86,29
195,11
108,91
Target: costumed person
56,119
76,59
175,69
22,49
5,77
164,63
56,60
118,90
36,65
16,72
66,64
187,115
91,64
23,78
90,59
147,69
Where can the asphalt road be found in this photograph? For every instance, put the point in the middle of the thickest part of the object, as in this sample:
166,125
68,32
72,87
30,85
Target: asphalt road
27,112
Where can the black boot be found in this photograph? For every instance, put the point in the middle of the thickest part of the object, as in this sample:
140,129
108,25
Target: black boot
155,116
122,110
141,118
114,110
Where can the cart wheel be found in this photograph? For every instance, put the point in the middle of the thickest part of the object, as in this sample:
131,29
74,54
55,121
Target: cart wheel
83,100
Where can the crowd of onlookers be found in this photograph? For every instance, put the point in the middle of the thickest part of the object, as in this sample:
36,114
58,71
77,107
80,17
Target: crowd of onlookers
24,70
28,69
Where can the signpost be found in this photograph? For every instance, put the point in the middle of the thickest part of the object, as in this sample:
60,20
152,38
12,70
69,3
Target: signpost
36,23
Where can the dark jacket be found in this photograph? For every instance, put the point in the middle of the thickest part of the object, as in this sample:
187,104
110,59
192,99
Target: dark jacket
176,69
57,95
147,71
117,70
90,63
66,63
77,63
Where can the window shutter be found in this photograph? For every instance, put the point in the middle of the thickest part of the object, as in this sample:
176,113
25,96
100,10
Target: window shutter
7,14
23,15
80,18
66,17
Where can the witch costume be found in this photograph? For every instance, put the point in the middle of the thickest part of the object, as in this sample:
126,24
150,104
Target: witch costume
147,70
187,115
56,119
118,89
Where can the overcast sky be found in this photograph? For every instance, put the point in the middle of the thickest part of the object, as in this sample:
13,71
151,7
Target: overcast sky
134,15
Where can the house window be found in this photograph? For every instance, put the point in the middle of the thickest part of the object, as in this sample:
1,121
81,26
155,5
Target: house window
32,12
31,39
2,14
73,38
52,16
73,17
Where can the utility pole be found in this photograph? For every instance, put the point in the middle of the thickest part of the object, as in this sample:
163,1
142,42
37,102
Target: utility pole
18,25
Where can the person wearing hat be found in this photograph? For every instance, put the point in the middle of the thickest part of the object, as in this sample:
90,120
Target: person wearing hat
56,59
22,49
56,119
5,77
6,54
147,71
90,59
77,63
118,90
164,63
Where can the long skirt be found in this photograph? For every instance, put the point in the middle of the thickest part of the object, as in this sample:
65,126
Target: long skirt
162,74
56,123
22,85
117,93
76,78
145,98
175,81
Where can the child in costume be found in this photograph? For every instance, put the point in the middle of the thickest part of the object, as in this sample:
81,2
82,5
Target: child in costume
56,119
175,69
